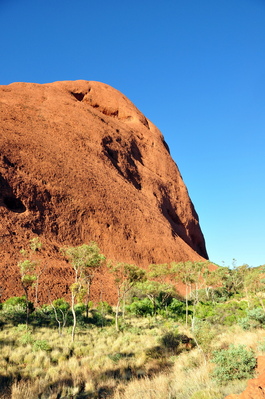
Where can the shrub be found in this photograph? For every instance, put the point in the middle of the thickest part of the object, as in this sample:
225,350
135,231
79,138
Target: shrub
176,309
14,310
204,334
205,310
255,319
261,346
228,313
104,308
141,307
26,339
14,302
41,344
233,363
170,341
96,318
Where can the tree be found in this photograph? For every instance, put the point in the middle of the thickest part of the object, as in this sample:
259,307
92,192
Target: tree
35,246
159,271
60,308
156,291
254,284
126,276
85,260
192,275
28,278
183,273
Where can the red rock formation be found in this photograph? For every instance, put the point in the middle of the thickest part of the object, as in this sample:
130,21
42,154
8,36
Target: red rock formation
256,387
79,162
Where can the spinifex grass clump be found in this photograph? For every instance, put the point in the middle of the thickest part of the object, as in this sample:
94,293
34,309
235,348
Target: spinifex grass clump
40,360
149,355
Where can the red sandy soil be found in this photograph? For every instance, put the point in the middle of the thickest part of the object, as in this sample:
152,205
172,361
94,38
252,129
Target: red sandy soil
79,163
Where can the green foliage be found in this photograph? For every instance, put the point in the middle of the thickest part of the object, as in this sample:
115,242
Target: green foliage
26,266
14,310
15,301
237,362
61,303
159,295
41,344
84,259
35,244
176,309
204,334
255,318
205,394
206,310
26,339
104,308
227,313
140,307
98,319
159,304
115,357
127,275
80,308
261,346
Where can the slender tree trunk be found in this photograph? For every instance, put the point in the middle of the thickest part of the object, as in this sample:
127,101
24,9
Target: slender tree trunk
57,319
88,296
74,317
36,291
27,305
64,318
186,297
123,307
117,314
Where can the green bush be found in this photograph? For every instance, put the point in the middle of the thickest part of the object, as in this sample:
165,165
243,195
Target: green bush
237,362
228,313
104,308
14,310
41,344
205,310
176,309
14,302
255,319
26,339
205,334
141,307
261,346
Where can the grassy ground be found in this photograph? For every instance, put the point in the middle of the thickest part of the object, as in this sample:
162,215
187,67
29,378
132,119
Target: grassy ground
101,363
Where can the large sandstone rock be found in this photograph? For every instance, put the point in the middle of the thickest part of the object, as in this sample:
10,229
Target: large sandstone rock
80,162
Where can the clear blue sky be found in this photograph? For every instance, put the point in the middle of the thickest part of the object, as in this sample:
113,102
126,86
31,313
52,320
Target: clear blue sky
195,68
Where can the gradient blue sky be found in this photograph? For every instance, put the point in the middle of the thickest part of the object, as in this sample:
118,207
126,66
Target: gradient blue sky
195,68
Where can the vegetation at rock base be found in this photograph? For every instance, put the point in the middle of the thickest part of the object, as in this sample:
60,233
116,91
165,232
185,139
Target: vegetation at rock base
233,363
85,260
165,346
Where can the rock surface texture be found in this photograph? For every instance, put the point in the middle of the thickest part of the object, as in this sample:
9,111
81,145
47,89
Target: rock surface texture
79,163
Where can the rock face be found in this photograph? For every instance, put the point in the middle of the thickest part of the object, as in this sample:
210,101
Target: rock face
79,163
